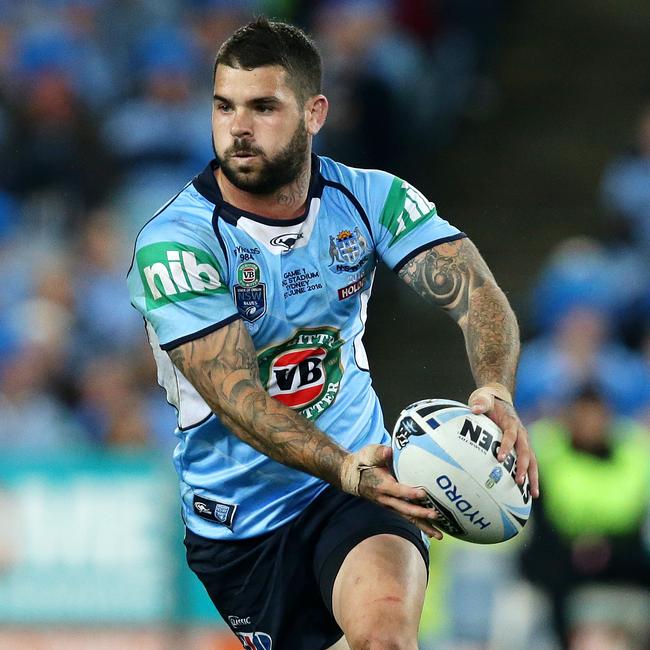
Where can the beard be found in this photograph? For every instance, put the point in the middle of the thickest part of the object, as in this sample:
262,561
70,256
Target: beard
274,173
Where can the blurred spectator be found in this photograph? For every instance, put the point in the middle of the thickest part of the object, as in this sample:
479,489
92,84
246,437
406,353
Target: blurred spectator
351,34
58,165
609,618
110,406
104,320
161,137
580,349
588,525
582,271
625,190
12,272
211,22
32,418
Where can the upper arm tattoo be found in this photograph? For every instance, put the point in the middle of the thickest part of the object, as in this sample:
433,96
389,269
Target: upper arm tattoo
447,274
222,366
455,277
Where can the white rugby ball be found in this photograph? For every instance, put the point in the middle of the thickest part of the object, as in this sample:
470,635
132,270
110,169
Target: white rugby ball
441,446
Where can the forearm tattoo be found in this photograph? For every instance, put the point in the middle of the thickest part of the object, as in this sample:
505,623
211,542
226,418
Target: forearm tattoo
455,277
222,366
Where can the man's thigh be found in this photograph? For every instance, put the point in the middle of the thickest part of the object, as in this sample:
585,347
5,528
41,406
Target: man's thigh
354,521
379,592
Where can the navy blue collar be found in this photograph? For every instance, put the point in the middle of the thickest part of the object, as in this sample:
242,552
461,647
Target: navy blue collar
206,184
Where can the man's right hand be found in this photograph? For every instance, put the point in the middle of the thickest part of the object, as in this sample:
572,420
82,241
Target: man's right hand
367,473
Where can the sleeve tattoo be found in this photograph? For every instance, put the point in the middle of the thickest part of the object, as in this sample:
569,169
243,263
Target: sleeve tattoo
455,277
222,366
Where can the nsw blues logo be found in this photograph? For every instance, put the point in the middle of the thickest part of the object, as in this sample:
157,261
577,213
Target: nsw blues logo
250,293
348,251
255,640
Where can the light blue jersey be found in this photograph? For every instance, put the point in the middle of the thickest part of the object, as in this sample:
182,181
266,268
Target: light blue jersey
301,287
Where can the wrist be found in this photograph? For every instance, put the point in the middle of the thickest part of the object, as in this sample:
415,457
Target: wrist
354,464
493,388
350,475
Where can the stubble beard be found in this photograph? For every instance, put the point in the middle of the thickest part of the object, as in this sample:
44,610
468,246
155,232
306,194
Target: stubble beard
275,173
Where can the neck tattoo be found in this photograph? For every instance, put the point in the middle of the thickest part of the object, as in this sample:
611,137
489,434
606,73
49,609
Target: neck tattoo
296,192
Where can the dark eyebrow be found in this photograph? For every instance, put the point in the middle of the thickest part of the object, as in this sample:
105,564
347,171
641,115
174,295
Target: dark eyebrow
265,100
253,102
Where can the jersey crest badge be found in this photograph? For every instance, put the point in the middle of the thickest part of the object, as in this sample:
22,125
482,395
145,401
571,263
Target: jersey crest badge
348,251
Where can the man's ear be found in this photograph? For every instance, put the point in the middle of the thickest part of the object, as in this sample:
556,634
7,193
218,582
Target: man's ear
316,113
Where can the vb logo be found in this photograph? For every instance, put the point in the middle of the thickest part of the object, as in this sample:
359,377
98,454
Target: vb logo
173,272
298,377
305,371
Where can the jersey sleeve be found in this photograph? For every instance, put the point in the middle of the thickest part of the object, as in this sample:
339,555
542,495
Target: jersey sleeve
178,281
405,222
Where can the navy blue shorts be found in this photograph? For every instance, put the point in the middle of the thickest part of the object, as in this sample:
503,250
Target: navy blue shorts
276,590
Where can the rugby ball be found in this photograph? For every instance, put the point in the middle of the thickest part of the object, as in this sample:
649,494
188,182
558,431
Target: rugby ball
444,448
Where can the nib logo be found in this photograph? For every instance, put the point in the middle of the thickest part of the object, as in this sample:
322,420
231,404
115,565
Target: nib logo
172,272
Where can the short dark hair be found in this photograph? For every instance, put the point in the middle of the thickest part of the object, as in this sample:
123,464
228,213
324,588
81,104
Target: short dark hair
264,42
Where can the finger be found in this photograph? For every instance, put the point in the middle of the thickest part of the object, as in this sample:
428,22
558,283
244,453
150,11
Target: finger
405,492
533,476
523,457
510,431
408,509
426,528
482,403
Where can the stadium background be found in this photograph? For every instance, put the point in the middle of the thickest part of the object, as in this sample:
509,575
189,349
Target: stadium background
511,116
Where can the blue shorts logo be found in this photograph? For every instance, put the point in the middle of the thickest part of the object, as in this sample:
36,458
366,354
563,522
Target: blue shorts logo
255,640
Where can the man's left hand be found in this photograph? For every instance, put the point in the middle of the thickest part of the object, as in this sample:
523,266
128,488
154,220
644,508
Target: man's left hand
502,412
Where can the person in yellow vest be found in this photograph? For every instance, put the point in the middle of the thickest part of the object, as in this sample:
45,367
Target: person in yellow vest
591,524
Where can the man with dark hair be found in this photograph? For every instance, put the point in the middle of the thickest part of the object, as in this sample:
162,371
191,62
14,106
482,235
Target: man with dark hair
254,282
261,44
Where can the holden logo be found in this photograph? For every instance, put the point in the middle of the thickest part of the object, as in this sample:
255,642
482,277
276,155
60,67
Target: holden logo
286,241
304,372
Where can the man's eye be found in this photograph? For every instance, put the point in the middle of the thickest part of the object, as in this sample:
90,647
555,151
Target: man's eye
224,108
265,109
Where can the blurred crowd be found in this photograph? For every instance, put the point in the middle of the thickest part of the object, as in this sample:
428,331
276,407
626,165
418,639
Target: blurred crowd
591,303
584,389
105,114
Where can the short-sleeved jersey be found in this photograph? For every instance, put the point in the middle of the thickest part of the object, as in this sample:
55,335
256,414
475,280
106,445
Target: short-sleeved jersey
301,286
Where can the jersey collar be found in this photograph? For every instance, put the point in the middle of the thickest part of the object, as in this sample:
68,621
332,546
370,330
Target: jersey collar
206,184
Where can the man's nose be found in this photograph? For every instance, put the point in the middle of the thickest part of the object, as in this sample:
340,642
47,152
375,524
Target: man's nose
242,124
